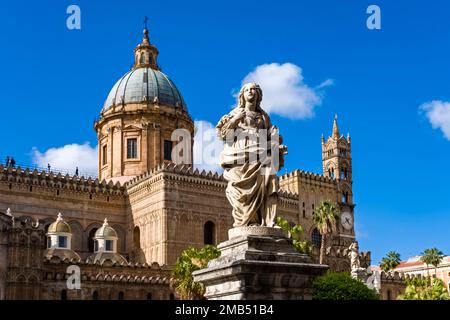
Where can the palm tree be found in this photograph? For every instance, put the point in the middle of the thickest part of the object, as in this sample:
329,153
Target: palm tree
324,217
390,262
432,257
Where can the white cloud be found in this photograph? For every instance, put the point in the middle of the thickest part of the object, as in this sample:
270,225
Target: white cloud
438,113
65,159
284,92
207,147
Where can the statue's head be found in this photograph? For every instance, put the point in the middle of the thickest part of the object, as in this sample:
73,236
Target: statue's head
250,92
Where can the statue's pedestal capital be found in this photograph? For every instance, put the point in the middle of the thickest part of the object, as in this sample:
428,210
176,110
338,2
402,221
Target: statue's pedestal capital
255,231
259,263
360,274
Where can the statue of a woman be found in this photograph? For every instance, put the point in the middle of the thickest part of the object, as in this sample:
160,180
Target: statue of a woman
354,256
251,157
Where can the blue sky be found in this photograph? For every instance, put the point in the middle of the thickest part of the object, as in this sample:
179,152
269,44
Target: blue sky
54,82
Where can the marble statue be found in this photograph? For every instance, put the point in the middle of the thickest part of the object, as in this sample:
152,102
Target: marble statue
354,257
252,155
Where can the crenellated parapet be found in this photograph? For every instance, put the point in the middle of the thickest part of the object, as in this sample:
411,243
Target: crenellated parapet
298,180
288,199
308,176
58,181
180,173
397,276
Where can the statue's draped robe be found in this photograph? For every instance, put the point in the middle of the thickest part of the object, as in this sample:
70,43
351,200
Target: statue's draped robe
251,190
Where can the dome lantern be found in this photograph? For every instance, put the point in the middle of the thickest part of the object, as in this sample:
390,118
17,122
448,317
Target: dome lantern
145,54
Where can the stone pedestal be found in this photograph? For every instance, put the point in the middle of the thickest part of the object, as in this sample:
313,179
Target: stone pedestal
360,274
259,263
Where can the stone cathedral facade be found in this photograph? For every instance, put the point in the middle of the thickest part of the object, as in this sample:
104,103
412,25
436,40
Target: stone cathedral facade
126,228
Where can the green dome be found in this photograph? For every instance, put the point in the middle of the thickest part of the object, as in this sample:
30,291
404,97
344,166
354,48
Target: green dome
144,85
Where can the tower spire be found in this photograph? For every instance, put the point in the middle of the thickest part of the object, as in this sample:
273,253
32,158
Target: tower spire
335,134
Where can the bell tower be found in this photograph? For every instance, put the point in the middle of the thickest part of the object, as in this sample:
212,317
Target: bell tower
337,164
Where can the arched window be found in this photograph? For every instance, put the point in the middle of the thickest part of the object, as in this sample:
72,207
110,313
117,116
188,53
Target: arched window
345,197
91,239
149,296
208,233
389,295
95,295
316,238
172,297
121,295
332,172
64,295
137,237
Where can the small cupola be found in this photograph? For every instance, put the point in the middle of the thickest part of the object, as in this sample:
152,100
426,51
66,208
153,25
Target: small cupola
105,239
59,234
105,245
59,240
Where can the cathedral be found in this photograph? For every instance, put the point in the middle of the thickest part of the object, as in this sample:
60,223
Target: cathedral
125,228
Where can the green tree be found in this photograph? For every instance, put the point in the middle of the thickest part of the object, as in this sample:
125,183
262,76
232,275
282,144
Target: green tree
189,261
295,233
424,289
390,262
432,257
341,286
324,217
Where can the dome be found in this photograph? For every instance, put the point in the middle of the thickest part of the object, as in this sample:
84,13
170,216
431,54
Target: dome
105,231
144,84
101,257
59,226
62,254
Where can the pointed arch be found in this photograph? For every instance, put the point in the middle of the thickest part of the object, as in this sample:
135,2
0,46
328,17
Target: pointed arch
77,235
122,235
136,237
209,233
